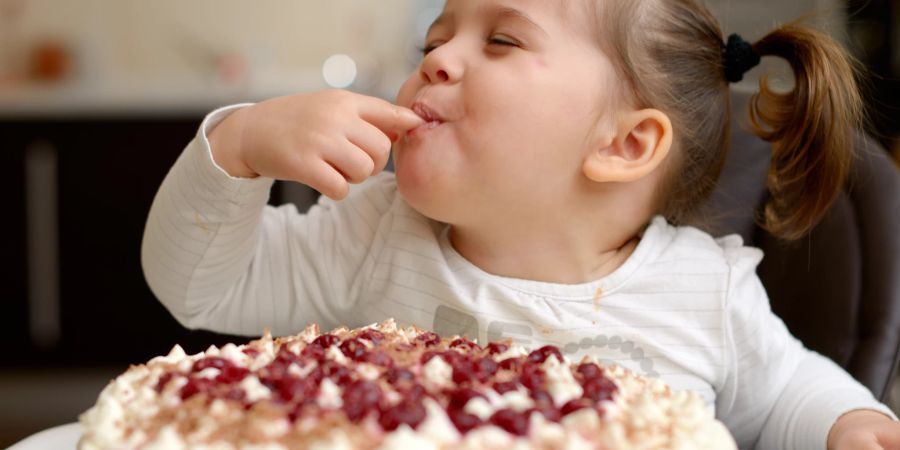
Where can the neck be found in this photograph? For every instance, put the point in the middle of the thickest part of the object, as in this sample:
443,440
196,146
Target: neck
558,259
555,251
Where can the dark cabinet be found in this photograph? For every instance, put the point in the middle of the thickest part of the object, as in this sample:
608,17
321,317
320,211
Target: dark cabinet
87,301
13,304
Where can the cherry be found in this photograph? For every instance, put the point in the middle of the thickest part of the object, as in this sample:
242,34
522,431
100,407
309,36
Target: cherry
465,371
453,358
288,356
460,396
487,367
353,348
496,348
503,387
464,344
512,421
317,374
196,386
340,374
549,412
291,388
589,370
378,357
427,356
599,389
274,371
326,340
463,420
449,357
428,339
513,364
232,374
542,397
416,391
540,355
408,411
360,398
235,394
574,405
394,376
312,353
532,376
373,336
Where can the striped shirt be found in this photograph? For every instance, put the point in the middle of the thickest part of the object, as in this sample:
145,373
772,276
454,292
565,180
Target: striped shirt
684,307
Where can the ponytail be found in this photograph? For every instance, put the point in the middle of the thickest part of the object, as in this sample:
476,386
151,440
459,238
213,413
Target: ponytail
811,127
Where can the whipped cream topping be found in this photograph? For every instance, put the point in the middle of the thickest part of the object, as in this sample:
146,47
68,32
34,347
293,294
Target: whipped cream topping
143,407
560,382
437,372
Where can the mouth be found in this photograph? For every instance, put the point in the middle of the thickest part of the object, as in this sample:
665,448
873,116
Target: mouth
432,119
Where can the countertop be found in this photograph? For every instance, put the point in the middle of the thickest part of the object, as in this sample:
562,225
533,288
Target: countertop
152,98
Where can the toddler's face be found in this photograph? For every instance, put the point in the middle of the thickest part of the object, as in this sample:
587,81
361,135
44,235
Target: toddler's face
517,87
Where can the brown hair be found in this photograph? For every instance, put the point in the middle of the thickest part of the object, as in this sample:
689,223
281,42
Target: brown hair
671,54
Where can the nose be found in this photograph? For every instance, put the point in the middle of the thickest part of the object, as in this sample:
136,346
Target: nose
441,65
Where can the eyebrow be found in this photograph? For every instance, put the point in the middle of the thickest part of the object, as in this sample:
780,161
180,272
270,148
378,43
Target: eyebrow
512,13
502,12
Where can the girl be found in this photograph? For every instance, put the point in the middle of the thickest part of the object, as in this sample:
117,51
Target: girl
549,156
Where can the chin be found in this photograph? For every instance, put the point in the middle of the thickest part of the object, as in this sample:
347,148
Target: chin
425,195
428,178
419,193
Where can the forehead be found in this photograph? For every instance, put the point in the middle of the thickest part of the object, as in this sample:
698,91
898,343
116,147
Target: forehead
563,14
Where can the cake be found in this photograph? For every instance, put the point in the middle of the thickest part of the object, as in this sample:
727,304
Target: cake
386,386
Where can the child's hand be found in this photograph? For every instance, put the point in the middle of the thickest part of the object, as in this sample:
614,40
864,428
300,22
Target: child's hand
323,139
864,430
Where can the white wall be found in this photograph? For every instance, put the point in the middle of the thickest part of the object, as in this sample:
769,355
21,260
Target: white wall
753,18
132,42
177,39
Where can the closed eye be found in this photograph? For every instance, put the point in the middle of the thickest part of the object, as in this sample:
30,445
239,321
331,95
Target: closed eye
495,40
428,49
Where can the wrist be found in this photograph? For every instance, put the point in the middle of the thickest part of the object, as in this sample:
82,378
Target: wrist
225,141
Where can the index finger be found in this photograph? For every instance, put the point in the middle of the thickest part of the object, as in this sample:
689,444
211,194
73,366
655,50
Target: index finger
388,117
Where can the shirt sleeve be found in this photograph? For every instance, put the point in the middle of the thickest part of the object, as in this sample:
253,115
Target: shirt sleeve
777,394
219,258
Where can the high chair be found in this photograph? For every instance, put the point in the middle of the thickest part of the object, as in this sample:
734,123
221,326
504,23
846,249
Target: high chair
838,289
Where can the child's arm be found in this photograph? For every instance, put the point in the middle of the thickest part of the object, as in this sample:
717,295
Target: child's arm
776,393
218,258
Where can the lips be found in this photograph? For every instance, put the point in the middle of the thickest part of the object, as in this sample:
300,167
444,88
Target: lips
426,113
432,118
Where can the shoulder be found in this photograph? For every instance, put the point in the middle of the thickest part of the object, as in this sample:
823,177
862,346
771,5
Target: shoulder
691,244
729,258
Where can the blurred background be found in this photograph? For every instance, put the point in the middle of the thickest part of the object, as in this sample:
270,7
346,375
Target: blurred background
98,97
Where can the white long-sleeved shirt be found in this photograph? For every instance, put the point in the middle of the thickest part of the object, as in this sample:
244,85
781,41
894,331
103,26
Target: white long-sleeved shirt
684,306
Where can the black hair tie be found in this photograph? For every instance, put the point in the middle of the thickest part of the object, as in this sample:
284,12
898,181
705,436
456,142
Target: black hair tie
739,58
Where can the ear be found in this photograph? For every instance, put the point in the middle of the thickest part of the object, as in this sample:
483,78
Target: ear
642,141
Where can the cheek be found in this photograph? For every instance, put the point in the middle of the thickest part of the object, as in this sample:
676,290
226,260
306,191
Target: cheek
545,135
407,90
